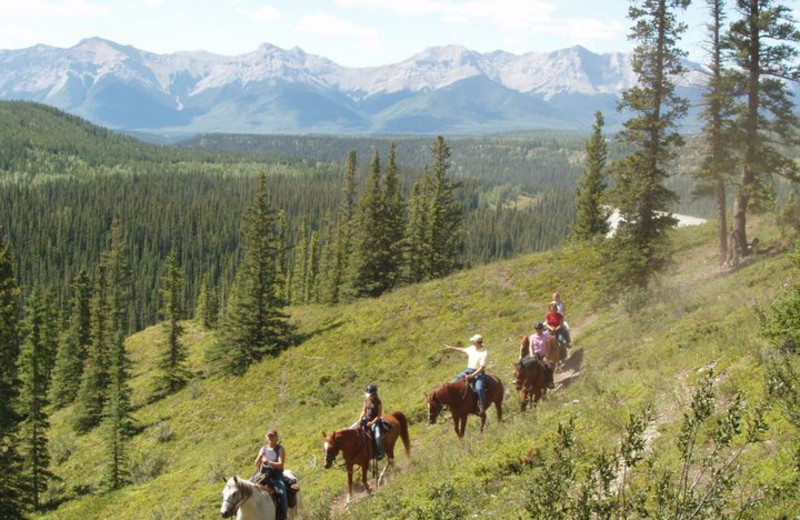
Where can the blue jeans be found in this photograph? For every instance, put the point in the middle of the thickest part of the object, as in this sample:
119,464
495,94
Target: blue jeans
376,435
283,499
480,384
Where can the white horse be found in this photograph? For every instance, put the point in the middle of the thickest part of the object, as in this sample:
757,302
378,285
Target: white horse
250,502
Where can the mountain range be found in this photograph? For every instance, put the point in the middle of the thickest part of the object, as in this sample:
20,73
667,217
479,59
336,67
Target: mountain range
447,89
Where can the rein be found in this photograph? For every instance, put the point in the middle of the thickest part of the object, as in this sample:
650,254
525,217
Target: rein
246,492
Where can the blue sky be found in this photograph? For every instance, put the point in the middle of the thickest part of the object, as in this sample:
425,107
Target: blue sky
354,33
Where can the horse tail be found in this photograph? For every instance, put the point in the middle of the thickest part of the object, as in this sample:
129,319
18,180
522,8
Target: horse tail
401,418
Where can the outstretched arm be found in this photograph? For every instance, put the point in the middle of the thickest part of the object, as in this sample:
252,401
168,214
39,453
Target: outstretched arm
450,347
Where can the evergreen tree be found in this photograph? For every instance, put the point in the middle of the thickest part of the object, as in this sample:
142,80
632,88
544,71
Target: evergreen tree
444,214
73,344
763,46
11,490
300,276
172,364
312,271
394,222
366,275
639,248
117,411
415,240
592,218
50,333
33,400
342,248
91,397
255,324
207,310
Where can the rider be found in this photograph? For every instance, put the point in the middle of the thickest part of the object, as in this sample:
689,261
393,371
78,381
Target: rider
555,323
370,417
476,368
270,460
540,344
562,308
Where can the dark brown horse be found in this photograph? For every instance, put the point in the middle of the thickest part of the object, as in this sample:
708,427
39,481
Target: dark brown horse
556,352
358,449
531,378
462,400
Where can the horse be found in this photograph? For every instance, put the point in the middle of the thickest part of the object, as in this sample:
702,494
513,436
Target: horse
463,400
358,449
556,354
249,501
531,380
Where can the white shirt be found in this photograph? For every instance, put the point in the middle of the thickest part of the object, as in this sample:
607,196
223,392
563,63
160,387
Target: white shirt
477,358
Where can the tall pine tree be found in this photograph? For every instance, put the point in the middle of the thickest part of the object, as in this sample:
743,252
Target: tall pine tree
73,344
394,222
255,324
640,247
444,214
12,503
33,401
117,412
592,218
341,251
763,47
173,373
366,276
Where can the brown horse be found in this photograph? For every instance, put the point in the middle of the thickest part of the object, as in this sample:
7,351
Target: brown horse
556,352
358,449
463,400
531,378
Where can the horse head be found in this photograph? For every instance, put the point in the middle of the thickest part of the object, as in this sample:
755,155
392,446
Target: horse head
434,406
519,375
233,494
331,448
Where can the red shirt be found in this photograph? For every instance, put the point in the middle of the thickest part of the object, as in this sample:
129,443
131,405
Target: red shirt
554,319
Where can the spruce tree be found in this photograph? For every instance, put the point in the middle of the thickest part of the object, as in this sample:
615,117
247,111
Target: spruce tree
172,364
444,214
366,276
207,309
342,248
33,401
763,48
640,248
592,218
415,239
312,272
255,324
11,484
117,419
718,115
91,397
394,222
73,344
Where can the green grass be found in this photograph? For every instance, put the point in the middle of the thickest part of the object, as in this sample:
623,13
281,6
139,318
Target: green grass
699,317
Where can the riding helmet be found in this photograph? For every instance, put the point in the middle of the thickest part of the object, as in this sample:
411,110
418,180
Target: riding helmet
371,388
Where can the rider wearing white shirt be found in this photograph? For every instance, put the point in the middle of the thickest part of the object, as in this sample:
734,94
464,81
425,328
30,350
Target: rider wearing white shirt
476,367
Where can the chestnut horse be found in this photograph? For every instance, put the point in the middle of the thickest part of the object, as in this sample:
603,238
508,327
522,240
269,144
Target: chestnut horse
463,400
358,449
531,379
556,353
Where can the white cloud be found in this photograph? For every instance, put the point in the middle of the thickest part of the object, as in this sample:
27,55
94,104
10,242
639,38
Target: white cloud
11,35
596,30
265,14
42,8
329,25
396,6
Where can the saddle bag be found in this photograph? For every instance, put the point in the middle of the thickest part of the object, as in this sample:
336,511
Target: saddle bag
292,487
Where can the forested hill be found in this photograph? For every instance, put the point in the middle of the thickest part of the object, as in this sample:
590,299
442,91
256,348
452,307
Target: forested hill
63,182
694,353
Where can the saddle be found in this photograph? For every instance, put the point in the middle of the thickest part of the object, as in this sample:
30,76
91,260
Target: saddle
267,483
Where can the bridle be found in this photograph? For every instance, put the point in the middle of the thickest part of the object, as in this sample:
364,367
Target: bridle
440,408
235,500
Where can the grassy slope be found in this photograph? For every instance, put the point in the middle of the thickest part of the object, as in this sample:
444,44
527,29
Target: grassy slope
211,430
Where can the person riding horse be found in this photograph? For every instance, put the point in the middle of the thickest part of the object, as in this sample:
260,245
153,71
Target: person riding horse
554,321
476,368
540,343
270,462
370,418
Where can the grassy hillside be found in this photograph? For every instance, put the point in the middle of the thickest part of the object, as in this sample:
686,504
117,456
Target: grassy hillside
700,317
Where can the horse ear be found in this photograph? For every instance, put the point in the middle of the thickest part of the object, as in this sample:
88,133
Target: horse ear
236,480
324,435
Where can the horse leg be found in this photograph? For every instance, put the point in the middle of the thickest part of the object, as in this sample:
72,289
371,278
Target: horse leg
364,470
389,462
349,483
483,420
